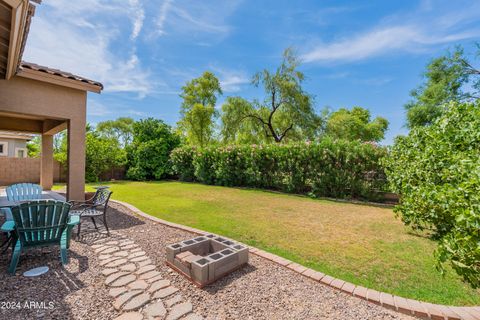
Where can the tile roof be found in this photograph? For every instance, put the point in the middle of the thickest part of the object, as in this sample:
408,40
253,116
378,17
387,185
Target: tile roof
56,72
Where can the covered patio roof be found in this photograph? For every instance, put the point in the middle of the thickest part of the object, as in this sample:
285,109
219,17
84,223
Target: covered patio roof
41,100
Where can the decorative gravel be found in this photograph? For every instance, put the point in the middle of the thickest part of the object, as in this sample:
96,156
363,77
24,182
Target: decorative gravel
261,290
74,292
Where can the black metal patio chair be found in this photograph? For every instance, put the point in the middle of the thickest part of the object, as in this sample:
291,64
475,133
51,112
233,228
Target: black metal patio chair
94,207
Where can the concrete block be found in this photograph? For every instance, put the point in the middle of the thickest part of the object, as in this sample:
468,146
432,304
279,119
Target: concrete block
207,258
242,253
217,245
200,270
172,250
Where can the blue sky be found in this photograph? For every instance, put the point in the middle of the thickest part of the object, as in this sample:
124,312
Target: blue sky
366,53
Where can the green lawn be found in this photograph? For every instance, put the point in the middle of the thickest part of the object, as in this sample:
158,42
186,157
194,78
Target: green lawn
362,244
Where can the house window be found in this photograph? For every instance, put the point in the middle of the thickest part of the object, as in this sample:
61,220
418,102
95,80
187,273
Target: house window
21,152
3,148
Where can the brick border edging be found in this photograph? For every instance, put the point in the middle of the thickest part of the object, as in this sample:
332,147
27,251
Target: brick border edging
411,307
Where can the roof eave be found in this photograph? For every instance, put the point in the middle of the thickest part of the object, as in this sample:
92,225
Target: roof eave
20,13
60,81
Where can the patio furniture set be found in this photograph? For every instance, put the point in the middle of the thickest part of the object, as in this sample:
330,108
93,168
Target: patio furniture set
35,218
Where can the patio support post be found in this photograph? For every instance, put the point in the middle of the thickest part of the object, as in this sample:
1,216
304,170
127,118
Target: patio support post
76,159
46,171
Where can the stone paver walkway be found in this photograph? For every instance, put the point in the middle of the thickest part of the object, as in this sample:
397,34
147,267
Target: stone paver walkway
137,289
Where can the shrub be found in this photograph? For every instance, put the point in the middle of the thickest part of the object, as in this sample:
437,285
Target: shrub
436,169
182,163
330,168
101,154
149,153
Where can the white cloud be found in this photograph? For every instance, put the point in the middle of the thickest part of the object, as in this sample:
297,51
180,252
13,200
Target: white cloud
84,39
417,33
138,18
97,109
232,82
162,17
194,18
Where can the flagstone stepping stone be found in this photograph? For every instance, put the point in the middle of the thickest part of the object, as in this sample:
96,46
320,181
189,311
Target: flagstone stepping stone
193,316
123,281
163,293
116,263
125,242
149,275
102,240
156,309
154,279
138,284
121,254
130,267
136,254
111,250
104,256
124,298
130,316
115,292
144,263
115,276
134,282
137,302
148,267
129,246
108,271
173,301
180,310
140,259
160,284
176,299
107,261
101,248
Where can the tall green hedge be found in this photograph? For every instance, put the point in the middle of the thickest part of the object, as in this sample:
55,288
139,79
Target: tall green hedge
339,169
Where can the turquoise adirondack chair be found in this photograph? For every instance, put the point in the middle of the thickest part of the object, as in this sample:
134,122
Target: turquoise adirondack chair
24,191
21,192
40,223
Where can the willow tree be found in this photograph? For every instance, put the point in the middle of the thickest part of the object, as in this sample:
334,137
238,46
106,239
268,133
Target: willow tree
285,113
448,78
198,108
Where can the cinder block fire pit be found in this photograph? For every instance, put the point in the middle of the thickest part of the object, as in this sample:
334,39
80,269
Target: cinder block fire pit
205,259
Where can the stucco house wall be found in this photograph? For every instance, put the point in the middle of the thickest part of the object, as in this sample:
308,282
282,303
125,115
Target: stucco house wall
11,147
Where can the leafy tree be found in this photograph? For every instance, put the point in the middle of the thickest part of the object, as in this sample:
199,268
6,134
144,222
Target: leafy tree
198,108
436,170
236,128
445,79
33,147
355,124
148,154
101,154
285,113
120,129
